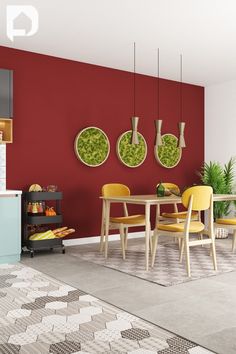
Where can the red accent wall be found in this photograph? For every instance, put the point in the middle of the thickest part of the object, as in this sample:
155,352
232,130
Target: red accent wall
55,98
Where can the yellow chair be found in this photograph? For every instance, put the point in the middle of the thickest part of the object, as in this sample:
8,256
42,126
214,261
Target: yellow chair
123,222
228,224
177,216
198,198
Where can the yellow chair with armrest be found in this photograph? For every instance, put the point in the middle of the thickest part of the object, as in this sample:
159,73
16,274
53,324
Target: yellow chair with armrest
122,223
198,198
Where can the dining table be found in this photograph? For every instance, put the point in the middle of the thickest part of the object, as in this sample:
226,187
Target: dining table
147,201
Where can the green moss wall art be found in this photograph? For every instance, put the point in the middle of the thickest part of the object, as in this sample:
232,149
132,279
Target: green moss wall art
168,154
131,155
92,146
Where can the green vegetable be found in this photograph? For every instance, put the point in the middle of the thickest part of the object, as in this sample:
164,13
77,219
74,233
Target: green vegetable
169,154
131,155
92,146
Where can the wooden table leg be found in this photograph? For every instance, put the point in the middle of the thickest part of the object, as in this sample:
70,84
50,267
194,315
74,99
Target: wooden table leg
102,226
147,233
107,218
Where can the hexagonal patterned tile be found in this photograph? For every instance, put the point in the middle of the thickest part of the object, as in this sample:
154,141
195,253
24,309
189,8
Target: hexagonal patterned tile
18,313
65,347
39,314
79,318
90,310
135,334
22,338
54,319
51,337
80,336
56,305
107,335
119,325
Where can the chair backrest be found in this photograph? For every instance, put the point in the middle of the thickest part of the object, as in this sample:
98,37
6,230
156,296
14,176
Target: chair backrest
171,186
201,197
115,190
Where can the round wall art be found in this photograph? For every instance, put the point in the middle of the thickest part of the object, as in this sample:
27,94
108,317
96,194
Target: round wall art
92,146
168,154
131,155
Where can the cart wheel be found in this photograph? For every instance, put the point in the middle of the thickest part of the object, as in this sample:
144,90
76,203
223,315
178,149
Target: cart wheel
32,254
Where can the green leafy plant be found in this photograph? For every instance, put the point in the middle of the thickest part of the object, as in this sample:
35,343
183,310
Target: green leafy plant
221,179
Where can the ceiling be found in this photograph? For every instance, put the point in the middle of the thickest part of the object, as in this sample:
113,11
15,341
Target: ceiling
102,32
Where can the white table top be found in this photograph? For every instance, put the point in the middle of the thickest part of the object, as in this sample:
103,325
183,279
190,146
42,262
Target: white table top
153,199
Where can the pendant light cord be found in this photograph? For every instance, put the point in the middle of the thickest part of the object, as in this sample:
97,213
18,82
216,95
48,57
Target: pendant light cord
158,83
181,87
134,79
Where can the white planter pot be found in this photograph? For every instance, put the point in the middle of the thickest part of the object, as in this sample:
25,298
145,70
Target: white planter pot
220,232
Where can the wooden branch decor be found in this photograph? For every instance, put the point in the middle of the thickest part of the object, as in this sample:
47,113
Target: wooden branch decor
134,139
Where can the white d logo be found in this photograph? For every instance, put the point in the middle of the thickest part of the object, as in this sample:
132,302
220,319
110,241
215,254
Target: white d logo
14,12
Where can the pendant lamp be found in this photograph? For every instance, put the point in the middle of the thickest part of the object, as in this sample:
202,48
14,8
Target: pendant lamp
181,143
134,119
158,122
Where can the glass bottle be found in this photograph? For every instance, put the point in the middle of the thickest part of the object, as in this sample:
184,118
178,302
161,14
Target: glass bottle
160,190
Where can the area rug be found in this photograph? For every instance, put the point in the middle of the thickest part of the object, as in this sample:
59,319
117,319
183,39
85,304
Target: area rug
39,314
167,270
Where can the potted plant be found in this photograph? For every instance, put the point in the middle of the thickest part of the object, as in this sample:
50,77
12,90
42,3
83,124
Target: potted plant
221,179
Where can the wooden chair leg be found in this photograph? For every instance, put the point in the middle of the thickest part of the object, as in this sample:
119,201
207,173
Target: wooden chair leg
213,251
126,238
179,242
122,240
106,246
154,246
234,241
201,238
187,259
102,227
181,250
150,241
101,239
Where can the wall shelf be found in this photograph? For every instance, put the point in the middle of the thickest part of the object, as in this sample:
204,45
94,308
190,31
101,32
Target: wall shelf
6,126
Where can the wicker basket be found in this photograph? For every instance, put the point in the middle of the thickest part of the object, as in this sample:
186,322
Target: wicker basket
220,232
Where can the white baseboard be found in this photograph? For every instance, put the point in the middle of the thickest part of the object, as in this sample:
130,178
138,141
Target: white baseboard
96,239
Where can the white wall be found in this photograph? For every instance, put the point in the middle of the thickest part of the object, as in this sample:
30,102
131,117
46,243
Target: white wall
220,122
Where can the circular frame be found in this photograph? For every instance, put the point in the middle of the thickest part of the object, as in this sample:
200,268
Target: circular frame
118,151
157,153
78,154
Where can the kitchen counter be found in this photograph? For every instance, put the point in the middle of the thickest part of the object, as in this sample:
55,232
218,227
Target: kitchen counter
10,226
10,192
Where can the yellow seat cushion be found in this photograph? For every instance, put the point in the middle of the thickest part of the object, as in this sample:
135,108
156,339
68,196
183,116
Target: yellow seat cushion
226,221
195,226
180,215
132,219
